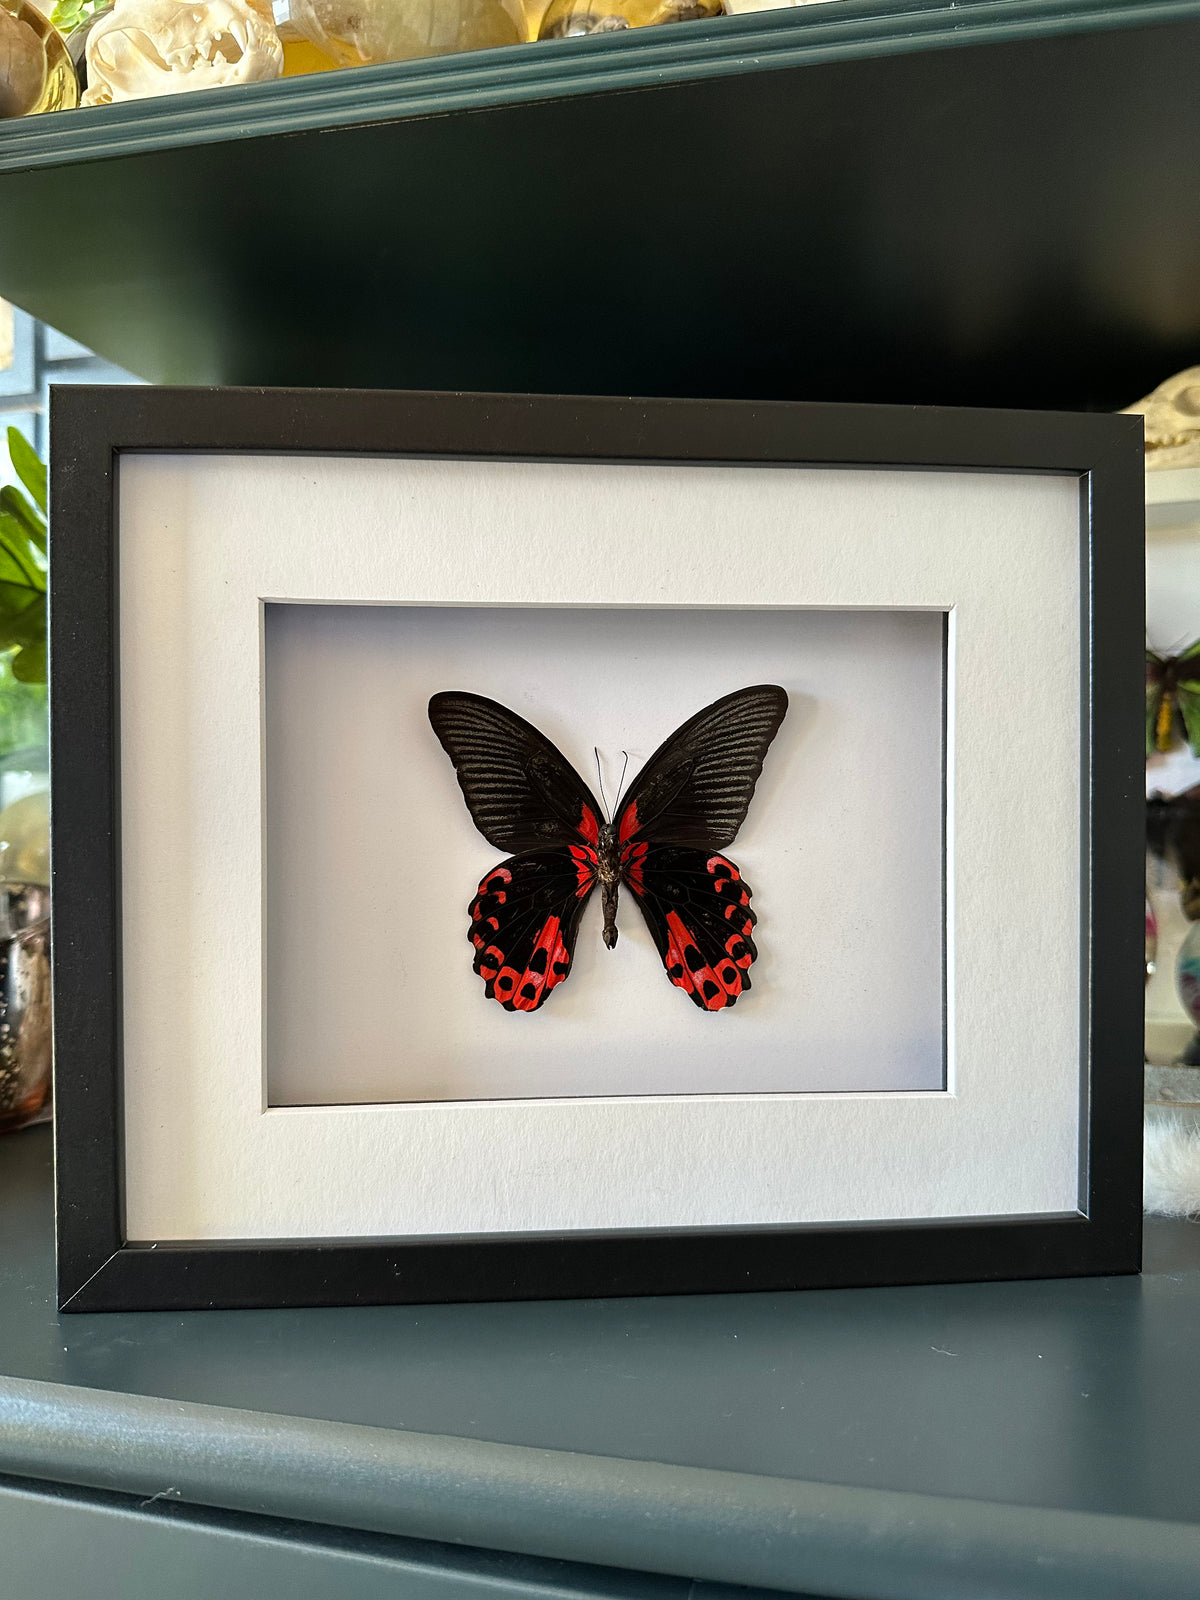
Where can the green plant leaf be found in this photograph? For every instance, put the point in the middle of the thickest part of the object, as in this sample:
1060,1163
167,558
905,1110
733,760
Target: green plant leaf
22,710
18,566
22,569
21,628
28,467
68,14
14,504
14,537
29,664
24,624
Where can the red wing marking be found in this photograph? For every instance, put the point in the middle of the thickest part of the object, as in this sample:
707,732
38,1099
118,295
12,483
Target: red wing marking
548,966
549,962
489,897
488,963
586,861
727,882
688,970
589,825
629,822
632,858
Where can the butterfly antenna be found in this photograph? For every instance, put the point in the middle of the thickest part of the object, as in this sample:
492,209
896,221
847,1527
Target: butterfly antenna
600,780
621,785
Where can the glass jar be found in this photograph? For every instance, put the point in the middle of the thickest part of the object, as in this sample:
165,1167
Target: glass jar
321,35
568,19
25,1016
35,70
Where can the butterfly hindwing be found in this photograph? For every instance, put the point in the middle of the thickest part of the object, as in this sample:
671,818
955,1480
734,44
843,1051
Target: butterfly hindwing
696,787
521,791
697,908
524,919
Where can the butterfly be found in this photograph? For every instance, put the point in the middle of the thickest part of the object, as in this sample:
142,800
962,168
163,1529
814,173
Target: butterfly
664,843
1173,689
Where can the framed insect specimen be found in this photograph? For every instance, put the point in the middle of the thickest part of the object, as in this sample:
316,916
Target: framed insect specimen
352,1001
689,800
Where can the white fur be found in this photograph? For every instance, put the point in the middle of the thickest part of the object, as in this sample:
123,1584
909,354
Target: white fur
1171,1177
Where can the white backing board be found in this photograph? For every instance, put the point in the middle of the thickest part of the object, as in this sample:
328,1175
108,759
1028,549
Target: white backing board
206,541
372,857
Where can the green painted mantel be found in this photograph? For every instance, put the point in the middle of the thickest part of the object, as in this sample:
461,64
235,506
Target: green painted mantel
991,202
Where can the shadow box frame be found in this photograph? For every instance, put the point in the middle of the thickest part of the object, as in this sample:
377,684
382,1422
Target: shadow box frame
100,1268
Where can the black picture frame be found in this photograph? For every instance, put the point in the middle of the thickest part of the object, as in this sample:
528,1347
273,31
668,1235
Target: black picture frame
98,1269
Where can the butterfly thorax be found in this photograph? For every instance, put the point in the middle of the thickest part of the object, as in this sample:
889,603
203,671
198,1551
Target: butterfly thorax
608,876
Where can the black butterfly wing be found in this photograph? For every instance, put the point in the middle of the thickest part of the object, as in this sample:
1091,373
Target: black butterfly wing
524,796
687,804
696,787
520,789
524,919
697,908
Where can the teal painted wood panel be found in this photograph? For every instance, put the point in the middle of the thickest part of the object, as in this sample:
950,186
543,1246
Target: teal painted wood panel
977,204
61,1544
962,1441
649,58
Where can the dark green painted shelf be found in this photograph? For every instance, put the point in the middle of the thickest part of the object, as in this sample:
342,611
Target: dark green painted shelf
993,202
992,1441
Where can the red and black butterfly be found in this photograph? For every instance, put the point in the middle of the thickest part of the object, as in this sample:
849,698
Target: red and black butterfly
664,842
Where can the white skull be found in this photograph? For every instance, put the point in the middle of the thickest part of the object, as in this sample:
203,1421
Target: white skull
149,47
1172,416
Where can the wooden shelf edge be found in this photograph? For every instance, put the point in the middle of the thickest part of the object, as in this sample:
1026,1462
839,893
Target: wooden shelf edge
714,1525
649,58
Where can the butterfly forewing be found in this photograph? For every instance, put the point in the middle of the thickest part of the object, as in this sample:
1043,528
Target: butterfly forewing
696,787
521,791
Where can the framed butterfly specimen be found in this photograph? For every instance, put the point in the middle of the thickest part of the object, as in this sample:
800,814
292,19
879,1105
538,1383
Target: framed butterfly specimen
664,844
1173,699
278,1080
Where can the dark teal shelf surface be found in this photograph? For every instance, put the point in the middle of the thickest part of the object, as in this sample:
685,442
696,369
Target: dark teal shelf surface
1020,1439
990,202
755,42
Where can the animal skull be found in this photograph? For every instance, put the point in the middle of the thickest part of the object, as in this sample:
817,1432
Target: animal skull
1172,414
149,47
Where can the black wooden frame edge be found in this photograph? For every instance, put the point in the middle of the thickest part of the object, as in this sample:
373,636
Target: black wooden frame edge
90,426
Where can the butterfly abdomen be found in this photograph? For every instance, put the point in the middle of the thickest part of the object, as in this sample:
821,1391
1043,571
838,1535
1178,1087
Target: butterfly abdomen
1166,708
608,876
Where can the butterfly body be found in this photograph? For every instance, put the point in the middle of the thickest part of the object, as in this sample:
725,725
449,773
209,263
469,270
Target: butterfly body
664,844
608,876
1172,698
